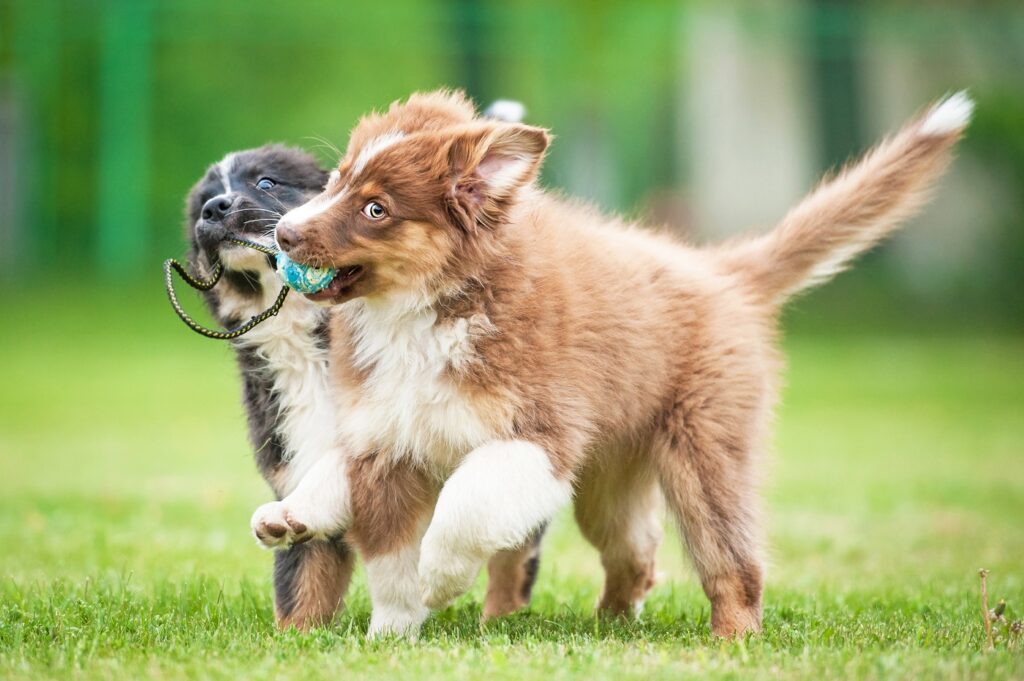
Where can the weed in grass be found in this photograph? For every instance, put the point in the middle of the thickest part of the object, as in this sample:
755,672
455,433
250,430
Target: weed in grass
998,627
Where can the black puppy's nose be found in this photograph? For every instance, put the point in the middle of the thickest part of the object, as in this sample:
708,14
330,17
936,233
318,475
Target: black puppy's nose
215,209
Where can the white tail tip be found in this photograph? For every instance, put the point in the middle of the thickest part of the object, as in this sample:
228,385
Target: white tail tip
507,110
950,115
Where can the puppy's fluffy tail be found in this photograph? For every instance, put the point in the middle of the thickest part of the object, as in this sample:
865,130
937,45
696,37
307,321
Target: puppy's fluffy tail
849,213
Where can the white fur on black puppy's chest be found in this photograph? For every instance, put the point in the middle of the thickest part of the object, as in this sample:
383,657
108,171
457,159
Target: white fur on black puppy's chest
295,364
410,405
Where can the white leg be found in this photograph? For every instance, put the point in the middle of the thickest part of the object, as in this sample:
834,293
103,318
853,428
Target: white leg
497,496
398,608
319,507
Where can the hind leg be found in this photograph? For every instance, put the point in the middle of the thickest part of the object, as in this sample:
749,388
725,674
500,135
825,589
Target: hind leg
618,509
310,581
510,577
708,475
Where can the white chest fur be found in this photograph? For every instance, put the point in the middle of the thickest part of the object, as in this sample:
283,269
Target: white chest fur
410,406
296,366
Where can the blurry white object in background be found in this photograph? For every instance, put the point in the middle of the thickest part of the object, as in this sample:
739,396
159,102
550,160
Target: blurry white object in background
508,110
747,128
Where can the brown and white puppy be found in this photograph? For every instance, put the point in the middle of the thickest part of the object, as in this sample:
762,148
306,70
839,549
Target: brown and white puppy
498,349
283,369
283,365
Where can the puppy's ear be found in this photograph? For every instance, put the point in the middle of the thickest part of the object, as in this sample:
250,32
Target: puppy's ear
489,163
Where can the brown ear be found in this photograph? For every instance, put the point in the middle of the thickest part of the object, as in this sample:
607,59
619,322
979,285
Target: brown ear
489,164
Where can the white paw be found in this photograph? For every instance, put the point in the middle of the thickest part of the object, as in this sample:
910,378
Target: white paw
389,622
275,524
445,575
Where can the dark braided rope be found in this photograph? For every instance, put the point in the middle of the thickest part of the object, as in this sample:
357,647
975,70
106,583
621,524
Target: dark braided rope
172,265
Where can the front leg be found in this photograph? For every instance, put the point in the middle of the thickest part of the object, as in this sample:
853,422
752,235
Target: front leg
319,507
390,508
500,494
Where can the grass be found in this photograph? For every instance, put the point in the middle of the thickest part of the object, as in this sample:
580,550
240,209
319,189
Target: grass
126,489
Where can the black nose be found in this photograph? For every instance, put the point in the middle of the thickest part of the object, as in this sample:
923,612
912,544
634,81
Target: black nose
215,209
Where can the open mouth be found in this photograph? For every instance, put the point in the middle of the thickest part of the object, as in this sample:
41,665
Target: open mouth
341,285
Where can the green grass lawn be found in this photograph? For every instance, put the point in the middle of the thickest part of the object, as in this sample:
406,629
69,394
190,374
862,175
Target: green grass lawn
126,488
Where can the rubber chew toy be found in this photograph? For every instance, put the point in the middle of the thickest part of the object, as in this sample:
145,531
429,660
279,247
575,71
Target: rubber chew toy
303,278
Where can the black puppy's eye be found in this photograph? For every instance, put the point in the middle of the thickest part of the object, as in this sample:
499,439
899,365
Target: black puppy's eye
266,184
374,210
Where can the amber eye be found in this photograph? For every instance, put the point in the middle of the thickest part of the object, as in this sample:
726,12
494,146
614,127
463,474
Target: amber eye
374,211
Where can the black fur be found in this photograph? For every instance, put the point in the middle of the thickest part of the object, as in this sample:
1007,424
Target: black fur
532,566
245,282
321,333
298,178
261,409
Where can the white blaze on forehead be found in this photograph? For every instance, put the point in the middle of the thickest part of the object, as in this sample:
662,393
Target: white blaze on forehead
224,171
374,147
309,210
322,203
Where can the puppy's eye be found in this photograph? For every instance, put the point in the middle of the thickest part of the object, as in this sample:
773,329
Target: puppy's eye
374,211
266,184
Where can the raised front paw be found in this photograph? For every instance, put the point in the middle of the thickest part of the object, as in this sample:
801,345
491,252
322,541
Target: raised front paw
275,524
445,575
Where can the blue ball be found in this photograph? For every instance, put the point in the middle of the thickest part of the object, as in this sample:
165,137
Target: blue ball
303,278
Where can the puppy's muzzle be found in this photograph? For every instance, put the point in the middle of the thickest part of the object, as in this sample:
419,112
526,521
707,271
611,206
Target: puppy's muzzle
288,238
210,234
216,208
211,229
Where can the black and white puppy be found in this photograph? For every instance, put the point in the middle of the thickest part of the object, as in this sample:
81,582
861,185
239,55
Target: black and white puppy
283,365
283,362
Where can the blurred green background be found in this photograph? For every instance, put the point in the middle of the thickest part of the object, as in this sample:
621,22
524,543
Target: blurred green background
126,481
711,117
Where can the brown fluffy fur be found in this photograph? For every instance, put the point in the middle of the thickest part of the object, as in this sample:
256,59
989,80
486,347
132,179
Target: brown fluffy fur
635,362
319,572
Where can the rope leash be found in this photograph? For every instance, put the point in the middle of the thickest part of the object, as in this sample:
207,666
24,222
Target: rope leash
171,265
